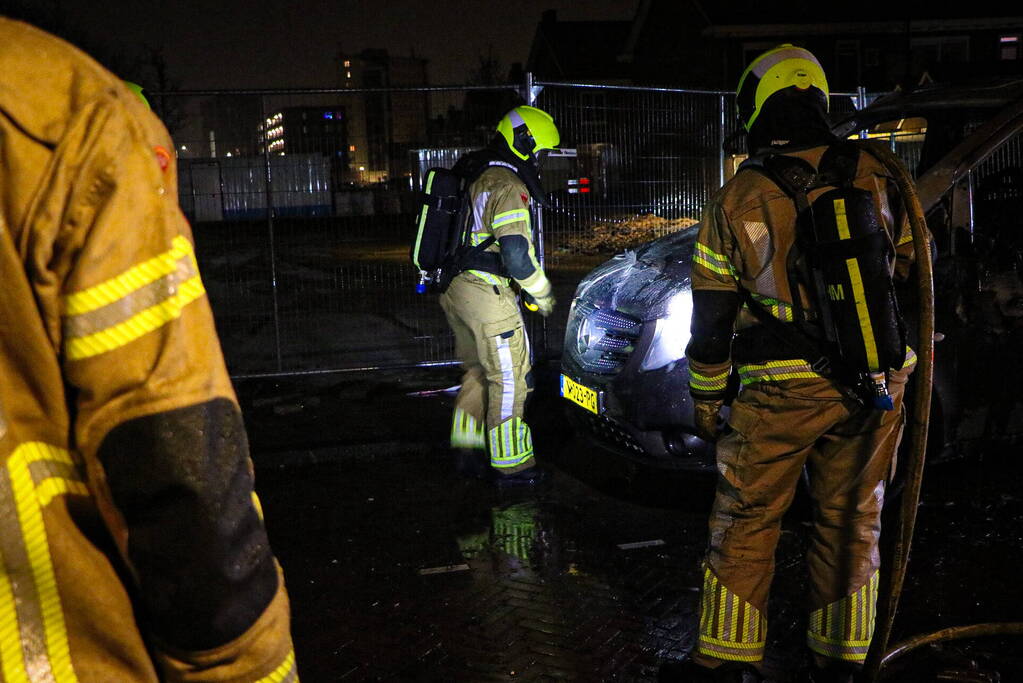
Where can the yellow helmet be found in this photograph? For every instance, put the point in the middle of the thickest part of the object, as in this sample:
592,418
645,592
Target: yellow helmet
527,130
138,90
782,67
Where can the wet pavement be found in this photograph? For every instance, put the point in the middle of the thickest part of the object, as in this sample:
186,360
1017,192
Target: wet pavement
401,569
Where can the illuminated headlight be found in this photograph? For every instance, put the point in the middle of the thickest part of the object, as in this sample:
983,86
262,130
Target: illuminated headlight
671,333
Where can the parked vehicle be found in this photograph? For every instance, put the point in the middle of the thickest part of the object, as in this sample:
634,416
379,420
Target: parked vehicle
623,364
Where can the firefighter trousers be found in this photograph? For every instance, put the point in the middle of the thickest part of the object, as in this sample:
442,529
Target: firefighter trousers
491,343
774,430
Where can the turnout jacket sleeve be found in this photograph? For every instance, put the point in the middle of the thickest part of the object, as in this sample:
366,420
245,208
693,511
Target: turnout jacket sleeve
507,214
715,305
154,414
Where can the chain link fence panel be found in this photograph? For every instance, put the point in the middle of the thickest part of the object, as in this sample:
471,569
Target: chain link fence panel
303,204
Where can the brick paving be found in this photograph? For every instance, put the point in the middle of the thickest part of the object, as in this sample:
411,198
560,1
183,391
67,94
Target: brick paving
400,569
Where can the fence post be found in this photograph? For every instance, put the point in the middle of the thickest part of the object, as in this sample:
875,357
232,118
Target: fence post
861,102
530,93
270,234
722,105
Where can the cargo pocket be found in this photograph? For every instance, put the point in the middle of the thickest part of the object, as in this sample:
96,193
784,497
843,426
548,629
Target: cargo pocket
742,425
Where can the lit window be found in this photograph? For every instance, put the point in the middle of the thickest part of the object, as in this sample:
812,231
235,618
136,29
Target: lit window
348,74
1009,47
362,168
348,63
351,148
328,114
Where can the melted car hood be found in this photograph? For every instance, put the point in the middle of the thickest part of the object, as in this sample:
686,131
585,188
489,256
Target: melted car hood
642,283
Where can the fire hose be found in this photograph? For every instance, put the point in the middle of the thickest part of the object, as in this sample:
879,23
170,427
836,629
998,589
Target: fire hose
879,656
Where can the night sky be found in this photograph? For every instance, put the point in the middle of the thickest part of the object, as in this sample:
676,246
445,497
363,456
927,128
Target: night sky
249,44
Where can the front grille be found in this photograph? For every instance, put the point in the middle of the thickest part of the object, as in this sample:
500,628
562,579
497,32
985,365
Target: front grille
609,431
602,340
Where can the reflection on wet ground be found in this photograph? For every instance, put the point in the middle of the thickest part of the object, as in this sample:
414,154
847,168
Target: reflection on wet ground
400,569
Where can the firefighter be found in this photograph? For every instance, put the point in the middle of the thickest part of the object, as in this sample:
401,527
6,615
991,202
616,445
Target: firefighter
482,305
132,546
787,415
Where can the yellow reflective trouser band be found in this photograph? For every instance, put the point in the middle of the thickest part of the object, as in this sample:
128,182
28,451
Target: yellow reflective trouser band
511,443
285,673
143,298
730,628
843,629
515,529
775,370
508,217
712,261
33,634
910,358
707,382
467,431
779,309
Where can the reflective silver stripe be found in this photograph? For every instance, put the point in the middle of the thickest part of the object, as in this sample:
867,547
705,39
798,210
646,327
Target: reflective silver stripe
511,443
516,119
765,63
145,297
507,378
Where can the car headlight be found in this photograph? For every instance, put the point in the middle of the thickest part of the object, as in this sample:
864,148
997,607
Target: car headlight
671,333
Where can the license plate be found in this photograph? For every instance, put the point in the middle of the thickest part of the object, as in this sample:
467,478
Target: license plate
580,395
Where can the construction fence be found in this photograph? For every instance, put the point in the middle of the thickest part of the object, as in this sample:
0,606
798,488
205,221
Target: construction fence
303,204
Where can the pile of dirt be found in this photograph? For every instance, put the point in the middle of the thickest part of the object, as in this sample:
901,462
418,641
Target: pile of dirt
614,236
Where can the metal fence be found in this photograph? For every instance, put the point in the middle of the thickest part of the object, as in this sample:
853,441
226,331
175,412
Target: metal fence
303,202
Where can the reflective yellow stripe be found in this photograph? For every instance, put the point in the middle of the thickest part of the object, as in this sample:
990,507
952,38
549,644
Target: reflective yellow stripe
730,628
285,672
843,629
776,370
30,518
466,431
779,309
859,296
712,261
509,217
50,488
136,326
707,383
127,282
258,505
11,657
732,643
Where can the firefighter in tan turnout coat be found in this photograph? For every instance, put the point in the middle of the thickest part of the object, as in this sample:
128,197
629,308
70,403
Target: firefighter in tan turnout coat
482,306
786,414
131,543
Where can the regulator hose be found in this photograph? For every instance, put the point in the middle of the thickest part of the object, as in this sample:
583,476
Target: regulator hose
878,657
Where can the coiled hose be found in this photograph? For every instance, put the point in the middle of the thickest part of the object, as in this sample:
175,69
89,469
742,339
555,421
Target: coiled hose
879,657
